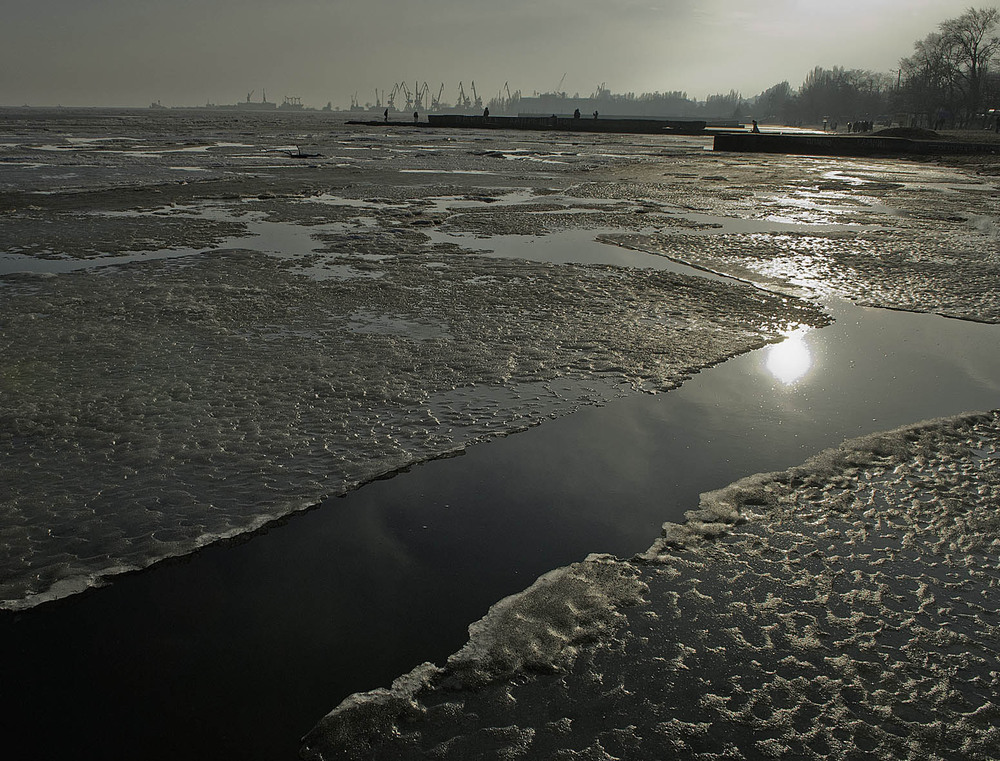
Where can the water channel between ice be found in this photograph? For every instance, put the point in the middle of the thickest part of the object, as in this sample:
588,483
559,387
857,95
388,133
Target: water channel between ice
347,597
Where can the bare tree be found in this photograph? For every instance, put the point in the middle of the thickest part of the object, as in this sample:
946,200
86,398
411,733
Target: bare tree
777,104
843,94
930,79
973,46
947,74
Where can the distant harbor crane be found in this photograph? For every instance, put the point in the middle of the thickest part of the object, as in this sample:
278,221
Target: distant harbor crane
409,96
422,91
463,101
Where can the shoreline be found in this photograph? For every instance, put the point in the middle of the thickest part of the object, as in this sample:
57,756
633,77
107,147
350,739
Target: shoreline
849,145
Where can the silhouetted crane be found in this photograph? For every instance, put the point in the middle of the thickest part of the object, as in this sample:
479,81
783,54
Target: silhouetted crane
409,96
391,100
463,99
422,91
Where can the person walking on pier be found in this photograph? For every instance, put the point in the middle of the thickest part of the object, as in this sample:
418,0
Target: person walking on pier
386,114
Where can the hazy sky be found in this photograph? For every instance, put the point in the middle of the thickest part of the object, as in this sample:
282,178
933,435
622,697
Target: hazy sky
190,52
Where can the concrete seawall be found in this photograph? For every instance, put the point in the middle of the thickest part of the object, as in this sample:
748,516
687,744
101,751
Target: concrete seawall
844,145
561,123
637,126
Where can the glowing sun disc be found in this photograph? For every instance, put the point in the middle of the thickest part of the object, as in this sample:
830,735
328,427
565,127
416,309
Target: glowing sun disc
790,360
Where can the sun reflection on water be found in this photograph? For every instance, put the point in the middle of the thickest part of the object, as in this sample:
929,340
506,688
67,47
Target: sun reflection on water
790,360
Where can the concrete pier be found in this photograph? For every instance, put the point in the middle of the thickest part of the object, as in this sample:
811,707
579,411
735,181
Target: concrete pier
844,145
554,122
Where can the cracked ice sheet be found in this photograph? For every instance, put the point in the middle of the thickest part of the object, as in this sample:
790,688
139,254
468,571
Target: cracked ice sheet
848,605
152,407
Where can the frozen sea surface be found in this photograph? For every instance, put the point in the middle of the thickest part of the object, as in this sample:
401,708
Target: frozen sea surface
202,334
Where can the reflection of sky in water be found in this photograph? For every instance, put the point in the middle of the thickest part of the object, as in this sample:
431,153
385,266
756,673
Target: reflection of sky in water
568,247
774,223
276,238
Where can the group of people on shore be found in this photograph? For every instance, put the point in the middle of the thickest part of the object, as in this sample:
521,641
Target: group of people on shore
860,126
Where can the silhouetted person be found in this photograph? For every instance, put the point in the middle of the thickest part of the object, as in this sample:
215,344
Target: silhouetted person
415,116
386,114
595,114
486,112
755,128
576,114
